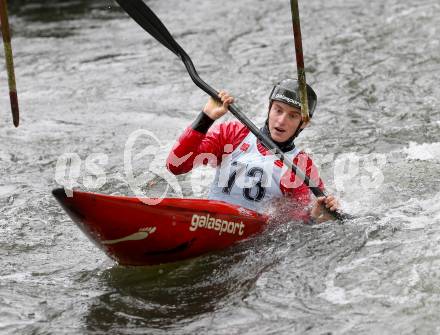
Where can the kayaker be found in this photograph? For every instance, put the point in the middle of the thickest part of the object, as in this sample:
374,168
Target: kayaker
247,173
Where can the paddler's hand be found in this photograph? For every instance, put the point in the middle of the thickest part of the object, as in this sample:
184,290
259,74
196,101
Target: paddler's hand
323,208
214,109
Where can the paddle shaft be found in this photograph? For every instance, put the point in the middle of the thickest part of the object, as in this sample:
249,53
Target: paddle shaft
300,60
9,61
146,18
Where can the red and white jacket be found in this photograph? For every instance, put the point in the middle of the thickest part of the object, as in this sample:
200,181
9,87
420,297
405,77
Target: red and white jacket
229,147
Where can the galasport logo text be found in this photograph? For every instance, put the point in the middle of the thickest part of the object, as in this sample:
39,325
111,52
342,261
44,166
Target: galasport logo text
212,223
287,99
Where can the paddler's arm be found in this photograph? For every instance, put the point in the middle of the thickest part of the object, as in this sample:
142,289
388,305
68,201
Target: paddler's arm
323,207
198,139
292,187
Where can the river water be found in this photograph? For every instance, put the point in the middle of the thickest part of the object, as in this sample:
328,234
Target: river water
89,78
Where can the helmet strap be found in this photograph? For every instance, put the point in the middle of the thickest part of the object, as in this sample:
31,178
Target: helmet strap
298,130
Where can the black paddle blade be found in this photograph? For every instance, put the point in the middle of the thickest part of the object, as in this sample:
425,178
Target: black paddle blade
145,17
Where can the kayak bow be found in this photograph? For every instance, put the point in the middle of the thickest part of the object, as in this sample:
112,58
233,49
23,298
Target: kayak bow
134,233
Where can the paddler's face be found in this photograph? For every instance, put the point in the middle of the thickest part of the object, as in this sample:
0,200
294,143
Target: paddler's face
283,121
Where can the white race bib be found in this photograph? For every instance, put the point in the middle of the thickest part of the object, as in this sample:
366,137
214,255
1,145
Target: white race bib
248,178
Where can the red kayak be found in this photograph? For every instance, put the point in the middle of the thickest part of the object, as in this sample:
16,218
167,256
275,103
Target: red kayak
134,233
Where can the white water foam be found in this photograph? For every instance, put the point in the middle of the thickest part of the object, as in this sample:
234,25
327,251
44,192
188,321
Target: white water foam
423,152
6,190
425,214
